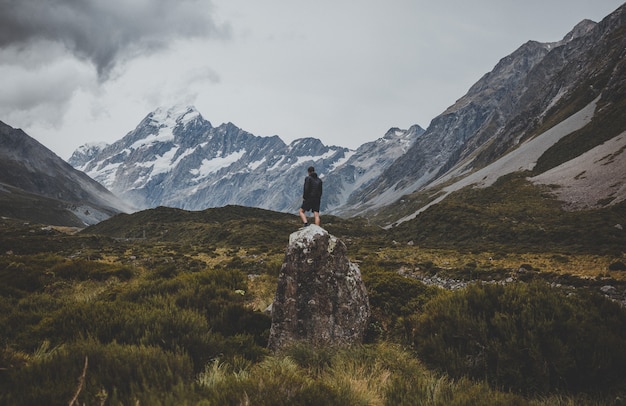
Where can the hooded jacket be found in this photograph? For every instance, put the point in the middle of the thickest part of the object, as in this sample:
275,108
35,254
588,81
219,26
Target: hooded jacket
312,187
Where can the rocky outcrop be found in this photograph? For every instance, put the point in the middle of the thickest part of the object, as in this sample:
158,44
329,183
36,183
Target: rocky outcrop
320,298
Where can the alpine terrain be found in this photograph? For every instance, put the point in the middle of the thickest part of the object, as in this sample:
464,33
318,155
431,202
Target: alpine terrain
480,261
550,108
177,158
556,109
37,185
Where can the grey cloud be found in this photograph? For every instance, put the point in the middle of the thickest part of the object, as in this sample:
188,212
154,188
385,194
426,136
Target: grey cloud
41,92
105,31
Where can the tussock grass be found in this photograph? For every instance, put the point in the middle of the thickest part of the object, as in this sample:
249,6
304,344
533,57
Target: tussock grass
381,374
177,318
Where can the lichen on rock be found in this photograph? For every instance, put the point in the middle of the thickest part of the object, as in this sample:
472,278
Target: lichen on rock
320,297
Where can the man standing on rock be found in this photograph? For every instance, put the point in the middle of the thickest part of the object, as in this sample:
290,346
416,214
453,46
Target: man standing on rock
311,197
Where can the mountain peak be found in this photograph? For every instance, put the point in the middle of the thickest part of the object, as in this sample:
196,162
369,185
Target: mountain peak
581,29
85,153
394,132
171,116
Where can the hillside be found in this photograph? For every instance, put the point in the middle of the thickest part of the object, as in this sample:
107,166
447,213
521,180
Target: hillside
36,185
513,214
222,226
542,106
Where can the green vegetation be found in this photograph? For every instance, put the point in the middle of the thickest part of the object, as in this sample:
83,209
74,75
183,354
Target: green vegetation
515,215
108,316
393,299
382,374
528,338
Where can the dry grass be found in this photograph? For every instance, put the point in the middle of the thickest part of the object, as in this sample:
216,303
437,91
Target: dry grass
67,230
580,265
365,379
261,290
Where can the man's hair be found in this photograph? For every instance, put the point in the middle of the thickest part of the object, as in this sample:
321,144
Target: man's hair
311,169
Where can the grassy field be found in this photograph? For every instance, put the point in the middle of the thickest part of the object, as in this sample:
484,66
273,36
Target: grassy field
166,307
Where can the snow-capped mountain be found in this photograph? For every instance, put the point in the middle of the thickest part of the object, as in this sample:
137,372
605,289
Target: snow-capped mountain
363,167
176,158
37,185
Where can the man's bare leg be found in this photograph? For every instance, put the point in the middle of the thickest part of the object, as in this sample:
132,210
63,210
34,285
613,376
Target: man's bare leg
303,217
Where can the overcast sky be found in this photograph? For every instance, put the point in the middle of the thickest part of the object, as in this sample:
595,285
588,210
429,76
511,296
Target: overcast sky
73,72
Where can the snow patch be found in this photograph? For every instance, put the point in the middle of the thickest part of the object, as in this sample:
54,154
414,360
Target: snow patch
169,117
106,174
165,134
307,158
277,164
91,146
161,163
254,165
182,156
556,98
342,161
210,166
166,120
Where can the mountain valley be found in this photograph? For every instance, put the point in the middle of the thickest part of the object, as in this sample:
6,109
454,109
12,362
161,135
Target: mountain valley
491,245
542,107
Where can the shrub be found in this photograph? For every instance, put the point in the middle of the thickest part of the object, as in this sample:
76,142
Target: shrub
81,270
114,370
163,325
393,298
380,374
617,266
527,338
424,388
17,279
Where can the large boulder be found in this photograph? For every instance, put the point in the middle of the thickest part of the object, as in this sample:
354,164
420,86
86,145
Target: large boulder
320,296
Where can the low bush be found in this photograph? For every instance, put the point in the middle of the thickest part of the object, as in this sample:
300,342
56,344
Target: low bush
393,298
617,266
114,372
80,270
274,381
529,338
23,274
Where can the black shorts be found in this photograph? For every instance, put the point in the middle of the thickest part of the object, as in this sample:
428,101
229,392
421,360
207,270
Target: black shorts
312,204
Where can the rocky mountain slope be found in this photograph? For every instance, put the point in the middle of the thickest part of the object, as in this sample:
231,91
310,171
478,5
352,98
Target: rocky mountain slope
176,158
37,185
541,107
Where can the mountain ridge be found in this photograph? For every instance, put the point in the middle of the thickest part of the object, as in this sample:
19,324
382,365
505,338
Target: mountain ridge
175,157
553,82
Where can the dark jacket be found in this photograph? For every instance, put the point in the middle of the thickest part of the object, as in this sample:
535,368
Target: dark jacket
312,187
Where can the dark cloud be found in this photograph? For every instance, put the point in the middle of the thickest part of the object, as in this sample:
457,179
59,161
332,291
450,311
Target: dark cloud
105,31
